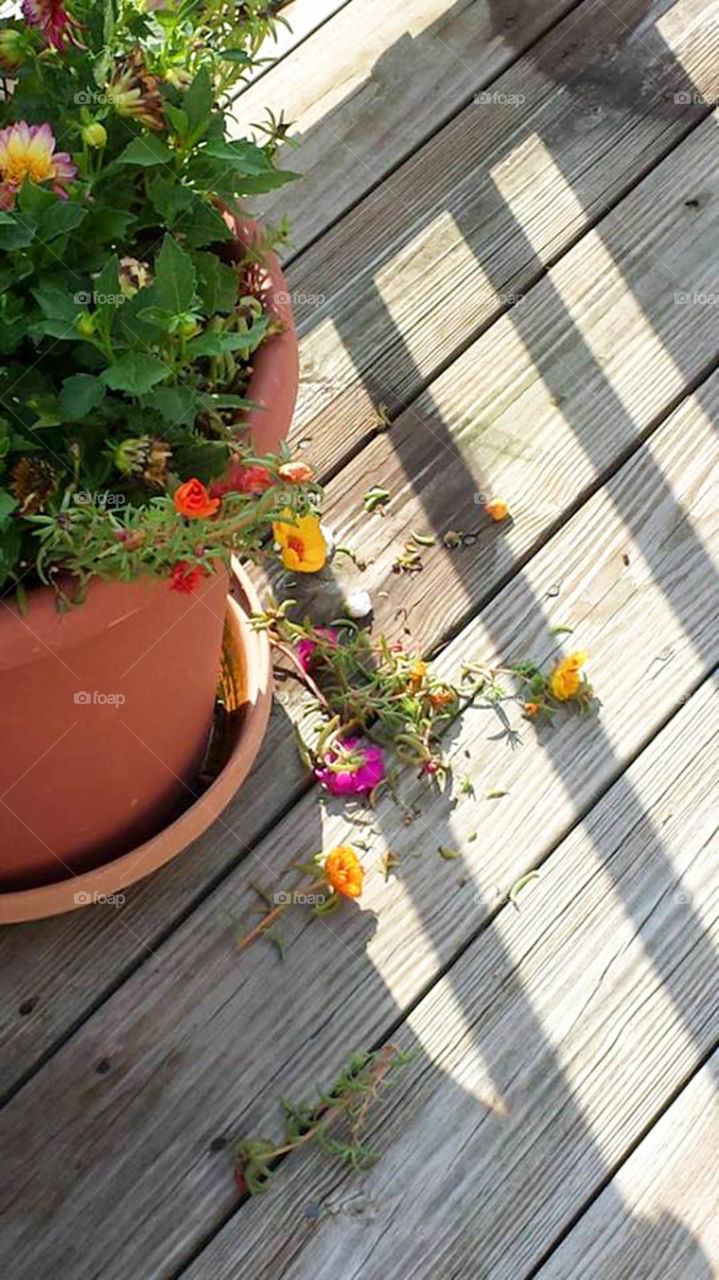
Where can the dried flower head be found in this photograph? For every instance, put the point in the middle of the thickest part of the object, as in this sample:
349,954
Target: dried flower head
134,92
32,482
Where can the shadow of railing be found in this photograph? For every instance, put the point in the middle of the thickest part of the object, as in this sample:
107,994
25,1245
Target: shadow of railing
598,84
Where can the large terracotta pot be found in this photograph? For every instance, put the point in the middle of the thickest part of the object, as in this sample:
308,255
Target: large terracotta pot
247,677
107,709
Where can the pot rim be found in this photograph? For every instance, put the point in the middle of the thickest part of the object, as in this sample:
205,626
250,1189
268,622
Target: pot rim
114,876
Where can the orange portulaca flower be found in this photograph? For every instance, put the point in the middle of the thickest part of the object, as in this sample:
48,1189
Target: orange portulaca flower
28,151
295,472
344,872
191,499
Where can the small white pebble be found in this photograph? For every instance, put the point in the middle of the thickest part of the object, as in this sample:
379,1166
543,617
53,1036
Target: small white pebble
358,604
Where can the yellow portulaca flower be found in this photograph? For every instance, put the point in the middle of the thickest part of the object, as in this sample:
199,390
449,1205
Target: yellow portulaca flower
302,545
565,680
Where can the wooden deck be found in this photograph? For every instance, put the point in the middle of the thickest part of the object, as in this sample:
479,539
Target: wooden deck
509,239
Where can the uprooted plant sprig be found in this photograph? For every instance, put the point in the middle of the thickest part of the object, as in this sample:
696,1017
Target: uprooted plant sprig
326,879
376,697
335,1122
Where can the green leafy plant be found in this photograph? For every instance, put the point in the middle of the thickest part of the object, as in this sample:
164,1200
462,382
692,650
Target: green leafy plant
129,313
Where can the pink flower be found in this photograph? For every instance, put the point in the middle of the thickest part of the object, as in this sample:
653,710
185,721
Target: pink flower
306,646
52,18
28,151
351,767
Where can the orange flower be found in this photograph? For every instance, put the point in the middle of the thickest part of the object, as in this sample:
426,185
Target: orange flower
295,472
531,708
565,680
417,672
193,500
442,697
303,547
497,509
343,871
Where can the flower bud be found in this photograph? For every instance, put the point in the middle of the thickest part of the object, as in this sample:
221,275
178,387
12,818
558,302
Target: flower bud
85,324
179,78
94,134
13,47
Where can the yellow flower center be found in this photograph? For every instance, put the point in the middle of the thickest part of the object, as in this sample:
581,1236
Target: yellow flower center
21,159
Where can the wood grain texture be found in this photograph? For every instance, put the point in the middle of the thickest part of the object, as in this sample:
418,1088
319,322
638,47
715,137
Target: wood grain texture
569,393
669,1185
372,83
400,285
537,409
198,1044
543,1054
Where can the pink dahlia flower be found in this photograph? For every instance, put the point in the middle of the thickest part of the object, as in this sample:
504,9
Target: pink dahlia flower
351,767
53,20
28,151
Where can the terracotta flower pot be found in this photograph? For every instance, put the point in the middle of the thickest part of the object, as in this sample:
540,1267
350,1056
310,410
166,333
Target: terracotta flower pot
247,670
107,709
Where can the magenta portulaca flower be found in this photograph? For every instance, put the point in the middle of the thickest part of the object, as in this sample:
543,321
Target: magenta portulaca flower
351,767
28,151
307,646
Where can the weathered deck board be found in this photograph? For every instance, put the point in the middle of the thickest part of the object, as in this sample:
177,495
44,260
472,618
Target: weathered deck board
515,437
373,82
198,1043
545,1052
441,248
669,1185
540,406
